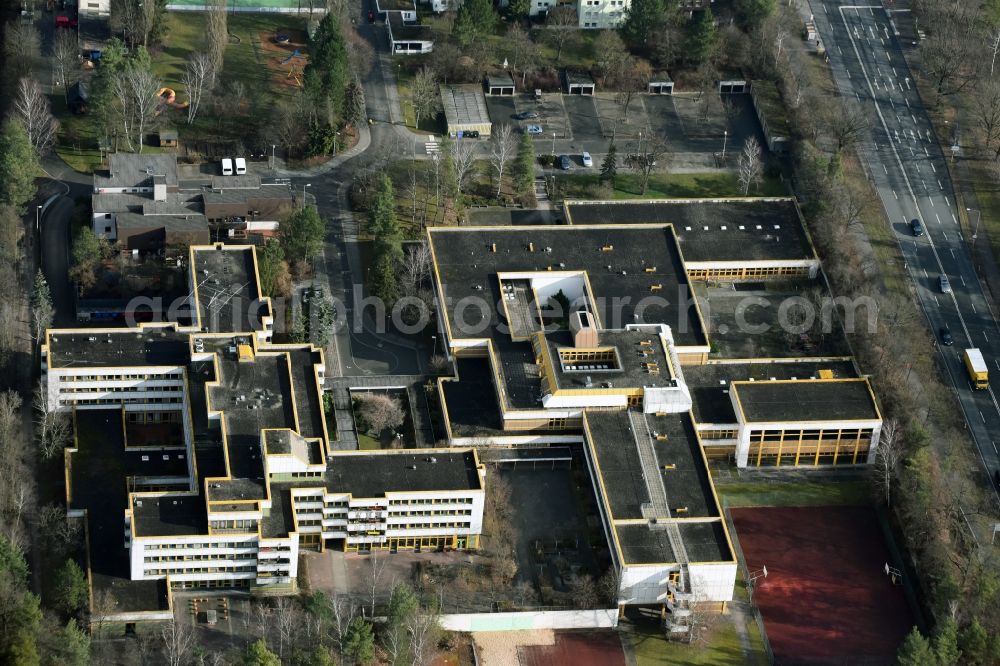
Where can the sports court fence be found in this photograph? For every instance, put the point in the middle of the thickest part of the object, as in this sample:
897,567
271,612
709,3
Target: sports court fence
745,572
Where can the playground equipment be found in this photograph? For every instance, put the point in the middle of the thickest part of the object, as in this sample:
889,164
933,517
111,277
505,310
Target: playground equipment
295,54
168,97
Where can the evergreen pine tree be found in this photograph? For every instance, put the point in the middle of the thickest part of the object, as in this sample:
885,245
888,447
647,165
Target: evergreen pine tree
609,167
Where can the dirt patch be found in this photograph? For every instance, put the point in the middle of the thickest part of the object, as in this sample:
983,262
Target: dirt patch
500,648
286,59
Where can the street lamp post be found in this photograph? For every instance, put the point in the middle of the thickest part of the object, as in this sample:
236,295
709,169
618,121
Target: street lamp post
304,186
979,216
272,155
553,151
38,213
725,139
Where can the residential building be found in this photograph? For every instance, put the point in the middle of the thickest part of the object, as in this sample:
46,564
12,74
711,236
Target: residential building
601,14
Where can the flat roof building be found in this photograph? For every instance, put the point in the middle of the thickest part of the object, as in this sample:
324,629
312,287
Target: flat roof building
465,109
201,456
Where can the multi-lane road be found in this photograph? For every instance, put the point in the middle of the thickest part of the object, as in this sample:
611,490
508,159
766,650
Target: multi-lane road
909,171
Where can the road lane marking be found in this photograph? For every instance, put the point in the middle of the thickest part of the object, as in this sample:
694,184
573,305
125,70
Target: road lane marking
926,154
895,195
932,163
986,337
886,169
962,278
973,307
954,219
938,217
995,447
952,253
981,416
940,186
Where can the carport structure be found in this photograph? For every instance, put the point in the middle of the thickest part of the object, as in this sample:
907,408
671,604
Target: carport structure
578,83
660,84
465,109
500,84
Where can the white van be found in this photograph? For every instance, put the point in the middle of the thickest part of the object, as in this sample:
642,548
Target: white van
227,167
241,166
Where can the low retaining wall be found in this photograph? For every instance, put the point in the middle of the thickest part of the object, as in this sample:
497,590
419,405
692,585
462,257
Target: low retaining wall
603,618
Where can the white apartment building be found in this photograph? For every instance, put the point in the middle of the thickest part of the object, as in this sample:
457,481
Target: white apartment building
601,14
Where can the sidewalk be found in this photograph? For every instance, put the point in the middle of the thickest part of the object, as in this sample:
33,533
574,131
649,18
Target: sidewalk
364,140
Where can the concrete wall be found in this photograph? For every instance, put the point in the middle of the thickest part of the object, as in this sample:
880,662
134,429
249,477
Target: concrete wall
603,618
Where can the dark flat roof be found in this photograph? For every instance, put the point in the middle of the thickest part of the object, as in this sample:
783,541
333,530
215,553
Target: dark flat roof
737,229
153,346
468,267
473,408
229,298
642,545
405,30
709,383
137,170
630,373
375,475
814,400
98,472
687,485
169,515
706,541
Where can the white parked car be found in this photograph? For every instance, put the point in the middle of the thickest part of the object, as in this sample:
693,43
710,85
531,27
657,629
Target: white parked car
241,166
587,160
227,167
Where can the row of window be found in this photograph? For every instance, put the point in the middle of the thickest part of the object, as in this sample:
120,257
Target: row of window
443,512
164,388
422,526
192,558
184,545
121,401
200,570
153,417
234,524
795,435
448,500
122,378
754,272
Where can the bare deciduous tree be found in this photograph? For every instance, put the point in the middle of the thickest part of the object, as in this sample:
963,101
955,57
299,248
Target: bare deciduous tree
424,96
216,36
423,628
583,591
888,457
649,160
463,156
380,411
142,88
985,110
31,107
632,80
416,268
750,168
52,427
287,616
21,47
198,76
376,568
343,612
847,125
502,149
561,28
177,641
65,54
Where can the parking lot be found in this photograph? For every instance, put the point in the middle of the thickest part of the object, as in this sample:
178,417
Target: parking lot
232,617
551,114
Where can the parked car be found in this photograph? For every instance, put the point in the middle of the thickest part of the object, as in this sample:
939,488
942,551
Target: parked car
241,166
525,115
916,227
588,161
945,284
564,162
227,166
946,338
533,129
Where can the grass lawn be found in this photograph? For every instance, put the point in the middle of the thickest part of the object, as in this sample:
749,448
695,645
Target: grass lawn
404,80
852,492
368,443
723,647
666,185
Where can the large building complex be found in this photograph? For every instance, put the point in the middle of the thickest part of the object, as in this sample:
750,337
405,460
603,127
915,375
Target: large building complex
603,331
202,456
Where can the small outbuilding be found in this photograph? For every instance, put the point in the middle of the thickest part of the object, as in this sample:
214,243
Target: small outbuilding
733,86
498,85
78,98
168,138
578,83
660,84
465,110
407,37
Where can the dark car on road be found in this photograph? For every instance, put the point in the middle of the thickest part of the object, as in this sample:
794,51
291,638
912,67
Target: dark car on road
916,227
525,115
946,338
564,162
